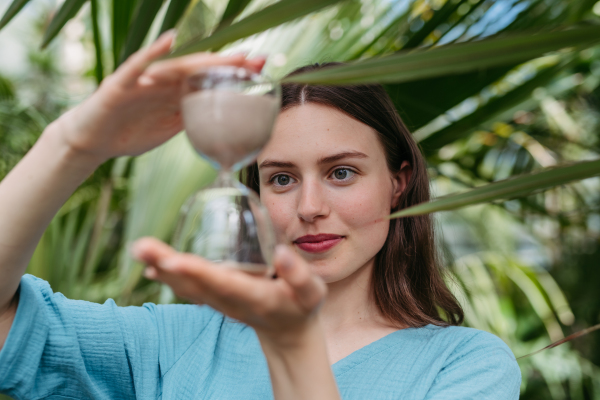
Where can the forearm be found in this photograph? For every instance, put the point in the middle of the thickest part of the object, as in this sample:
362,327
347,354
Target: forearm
301,371
30,196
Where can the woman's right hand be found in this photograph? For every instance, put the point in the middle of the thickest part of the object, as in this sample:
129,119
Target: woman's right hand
138,107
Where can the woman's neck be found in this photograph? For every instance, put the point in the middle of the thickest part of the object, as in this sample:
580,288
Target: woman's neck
350,304
350,317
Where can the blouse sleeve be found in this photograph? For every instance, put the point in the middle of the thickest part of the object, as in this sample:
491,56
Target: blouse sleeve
482,367
77,349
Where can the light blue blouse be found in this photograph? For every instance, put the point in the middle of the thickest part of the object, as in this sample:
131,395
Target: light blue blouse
68,349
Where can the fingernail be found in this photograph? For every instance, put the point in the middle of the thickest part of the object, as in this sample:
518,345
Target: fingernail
284,256
167,263
243,53
150,273
134,250
171,32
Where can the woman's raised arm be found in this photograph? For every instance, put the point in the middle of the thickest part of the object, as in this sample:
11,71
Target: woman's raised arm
133,111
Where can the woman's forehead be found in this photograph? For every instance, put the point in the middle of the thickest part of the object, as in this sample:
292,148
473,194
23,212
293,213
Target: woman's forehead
316,131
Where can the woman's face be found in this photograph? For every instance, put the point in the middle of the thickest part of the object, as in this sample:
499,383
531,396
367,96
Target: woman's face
327,187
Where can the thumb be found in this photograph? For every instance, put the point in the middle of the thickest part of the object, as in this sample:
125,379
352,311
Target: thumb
310,290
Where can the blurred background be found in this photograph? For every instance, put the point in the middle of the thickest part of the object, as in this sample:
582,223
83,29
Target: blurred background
526,269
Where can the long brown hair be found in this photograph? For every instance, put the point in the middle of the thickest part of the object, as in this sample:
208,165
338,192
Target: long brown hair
407,282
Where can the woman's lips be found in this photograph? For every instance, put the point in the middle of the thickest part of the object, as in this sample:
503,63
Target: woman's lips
317,243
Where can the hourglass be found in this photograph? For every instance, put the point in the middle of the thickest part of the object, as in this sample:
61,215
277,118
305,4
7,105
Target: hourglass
228,114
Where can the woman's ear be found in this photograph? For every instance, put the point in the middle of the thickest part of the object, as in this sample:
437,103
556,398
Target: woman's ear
400,182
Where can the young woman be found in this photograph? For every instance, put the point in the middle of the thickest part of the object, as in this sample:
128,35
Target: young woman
358,310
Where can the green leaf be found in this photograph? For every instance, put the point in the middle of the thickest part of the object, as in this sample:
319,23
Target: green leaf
234,8
438,17
68,10
123,12
493,108
99,69
13,10
144,15
174,13
7,90
197,22
510,188
451,59
572,336
273,15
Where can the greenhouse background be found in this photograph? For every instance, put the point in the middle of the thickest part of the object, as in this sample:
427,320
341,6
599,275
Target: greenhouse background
523,258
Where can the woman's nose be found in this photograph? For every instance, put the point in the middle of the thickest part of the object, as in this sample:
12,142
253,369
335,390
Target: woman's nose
312,204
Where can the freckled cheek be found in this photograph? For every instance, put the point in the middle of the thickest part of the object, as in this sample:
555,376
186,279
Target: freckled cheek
281,210
364,213
361,207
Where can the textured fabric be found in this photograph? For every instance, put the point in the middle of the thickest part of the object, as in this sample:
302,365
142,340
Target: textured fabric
66,349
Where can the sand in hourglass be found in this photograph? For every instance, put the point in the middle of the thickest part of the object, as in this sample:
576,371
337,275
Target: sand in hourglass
229,128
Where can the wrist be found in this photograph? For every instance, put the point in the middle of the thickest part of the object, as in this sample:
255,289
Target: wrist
300,341
299,364
296,339
56,136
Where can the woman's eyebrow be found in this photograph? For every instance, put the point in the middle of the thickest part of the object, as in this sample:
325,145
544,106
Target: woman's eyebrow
276,164
340,156
325,160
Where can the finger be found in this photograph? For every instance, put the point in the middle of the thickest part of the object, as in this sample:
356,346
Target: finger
129,72
255,64
151,250
172,71
224,288
310,290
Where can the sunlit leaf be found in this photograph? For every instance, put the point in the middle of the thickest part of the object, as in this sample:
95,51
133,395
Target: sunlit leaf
142,20
438,18
451,59
174,13
67,11
510,188
197,23
12,10
273,15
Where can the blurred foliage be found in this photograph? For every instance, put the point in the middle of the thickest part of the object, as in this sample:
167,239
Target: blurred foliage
524,269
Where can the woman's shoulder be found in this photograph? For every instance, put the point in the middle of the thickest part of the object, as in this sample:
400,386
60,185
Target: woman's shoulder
459,342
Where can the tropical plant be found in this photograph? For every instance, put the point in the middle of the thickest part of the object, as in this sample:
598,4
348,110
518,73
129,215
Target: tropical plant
480,83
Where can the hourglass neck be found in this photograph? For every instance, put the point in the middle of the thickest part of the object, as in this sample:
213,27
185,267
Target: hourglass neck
226,179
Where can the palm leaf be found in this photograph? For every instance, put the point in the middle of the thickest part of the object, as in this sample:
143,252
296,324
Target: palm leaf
564,340
144,15
174,13
123,12
451,59
273,15
99,69
196,24
68,10
438,17
234,8
432,141
510,188
13,10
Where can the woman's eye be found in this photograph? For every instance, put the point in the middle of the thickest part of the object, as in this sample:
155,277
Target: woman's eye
342,174
282,180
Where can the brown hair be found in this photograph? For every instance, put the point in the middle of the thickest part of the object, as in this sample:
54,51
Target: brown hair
407,281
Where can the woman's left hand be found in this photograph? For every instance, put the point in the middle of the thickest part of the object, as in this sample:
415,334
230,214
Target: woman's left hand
278,309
